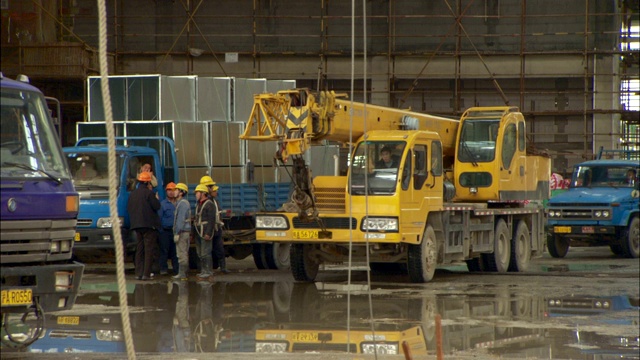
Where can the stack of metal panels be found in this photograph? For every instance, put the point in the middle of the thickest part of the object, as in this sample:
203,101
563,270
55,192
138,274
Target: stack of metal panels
203,115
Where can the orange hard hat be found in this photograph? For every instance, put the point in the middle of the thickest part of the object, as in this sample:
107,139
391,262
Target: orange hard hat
170,186
144,176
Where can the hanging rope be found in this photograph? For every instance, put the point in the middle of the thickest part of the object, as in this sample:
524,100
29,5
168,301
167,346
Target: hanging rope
113,181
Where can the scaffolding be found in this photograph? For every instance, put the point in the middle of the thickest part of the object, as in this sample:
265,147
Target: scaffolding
568,66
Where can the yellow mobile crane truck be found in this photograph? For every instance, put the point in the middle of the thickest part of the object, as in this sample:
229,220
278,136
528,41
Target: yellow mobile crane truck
450,190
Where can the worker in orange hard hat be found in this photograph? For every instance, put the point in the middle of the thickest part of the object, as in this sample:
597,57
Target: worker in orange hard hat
166,244
182,230
143,206
147,168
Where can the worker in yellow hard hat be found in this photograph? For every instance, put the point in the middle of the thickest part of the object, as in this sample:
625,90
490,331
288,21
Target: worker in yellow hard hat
208,182
203,230
218,244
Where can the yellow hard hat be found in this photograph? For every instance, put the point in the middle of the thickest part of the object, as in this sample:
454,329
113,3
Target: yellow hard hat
214,188
183,187
202,188
207,181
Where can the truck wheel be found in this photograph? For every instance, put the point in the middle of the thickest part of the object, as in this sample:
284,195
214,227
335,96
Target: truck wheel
475,264
630,243
278,256
499,260
520,248
616,248
423,258
303,266
259,256
557,246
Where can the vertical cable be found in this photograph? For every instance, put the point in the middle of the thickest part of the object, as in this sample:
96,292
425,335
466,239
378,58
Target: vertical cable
108,115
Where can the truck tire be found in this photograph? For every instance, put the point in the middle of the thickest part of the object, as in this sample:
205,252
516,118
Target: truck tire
499,260
259,256
631,241
616,248
303,267
423,258
520,248
278,256
475,264
557,246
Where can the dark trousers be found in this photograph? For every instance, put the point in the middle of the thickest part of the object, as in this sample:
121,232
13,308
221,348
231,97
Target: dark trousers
168,251
146,251
218,249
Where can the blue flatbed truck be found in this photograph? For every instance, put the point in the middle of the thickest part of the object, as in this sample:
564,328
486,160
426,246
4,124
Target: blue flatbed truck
600,208
239,202
88,163
38,212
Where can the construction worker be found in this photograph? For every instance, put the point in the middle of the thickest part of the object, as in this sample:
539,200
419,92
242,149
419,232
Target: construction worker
203,230
143,206
208,182
167,246
218,246
181,230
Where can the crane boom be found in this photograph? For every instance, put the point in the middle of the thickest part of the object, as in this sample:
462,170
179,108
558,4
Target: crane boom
297,118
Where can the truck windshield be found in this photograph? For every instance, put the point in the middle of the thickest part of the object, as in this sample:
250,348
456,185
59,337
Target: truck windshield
90,169
374,167
29,142
604,176
478,140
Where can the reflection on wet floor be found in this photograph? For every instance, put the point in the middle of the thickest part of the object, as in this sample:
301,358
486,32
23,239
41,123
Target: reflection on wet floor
580,267
300,317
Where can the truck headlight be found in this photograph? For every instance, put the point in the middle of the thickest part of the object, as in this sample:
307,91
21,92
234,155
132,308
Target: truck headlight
598,213
605,213
271,222
109,335
271,347
105,222
379,224
554,213
384,348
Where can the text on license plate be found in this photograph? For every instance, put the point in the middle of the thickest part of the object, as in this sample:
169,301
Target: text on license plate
587,229
562,229
304,336
69,320
17,297
305,234
77,237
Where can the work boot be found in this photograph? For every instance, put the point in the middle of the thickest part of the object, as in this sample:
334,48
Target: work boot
181,276
223,266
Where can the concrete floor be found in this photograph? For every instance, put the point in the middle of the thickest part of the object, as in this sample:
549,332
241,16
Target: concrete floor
483,316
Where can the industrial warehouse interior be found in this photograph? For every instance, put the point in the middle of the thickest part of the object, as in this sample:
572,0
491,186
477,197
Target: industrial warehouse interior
570,67
455,248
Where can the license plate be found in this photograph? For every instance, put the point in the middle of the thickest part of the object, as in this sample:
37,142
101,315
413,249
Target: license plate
68,320
77,237
304,336
562,229
17,297
587,229
305,234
